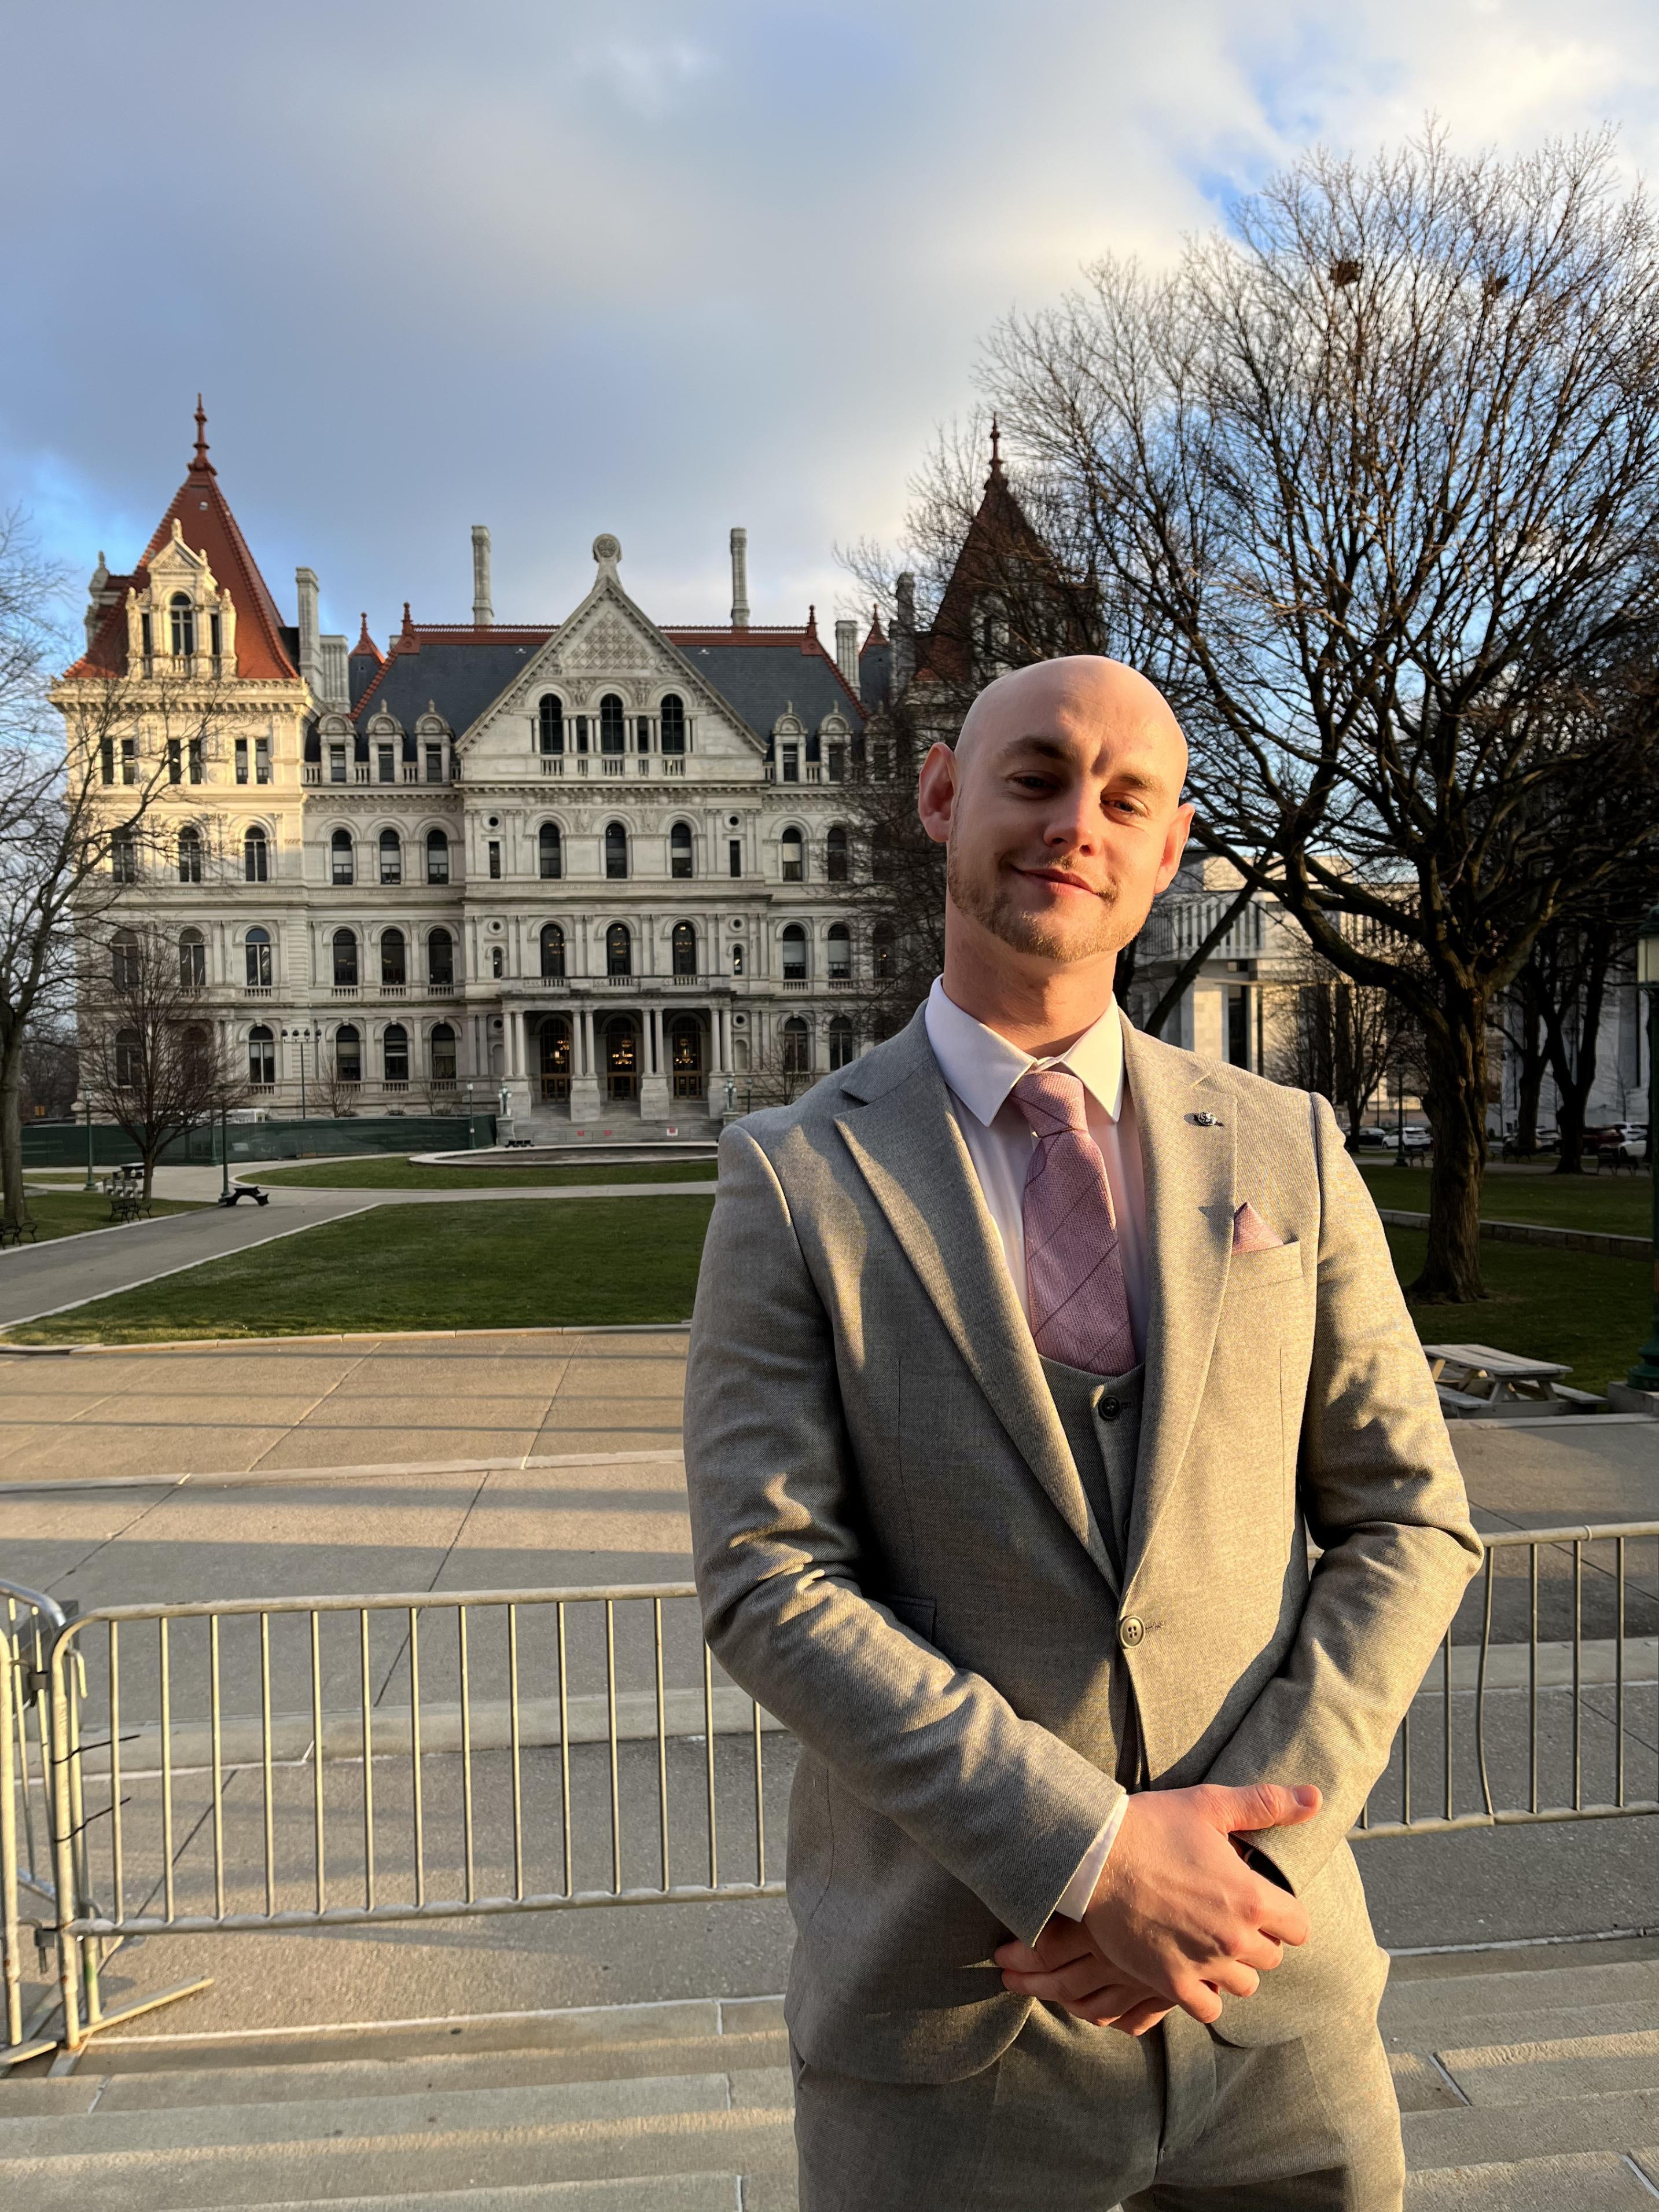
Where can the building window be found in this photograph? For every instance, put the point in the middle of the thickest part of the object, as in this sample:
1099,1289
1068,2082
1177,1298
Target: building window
175,761
612,724
345,962
347,1055
192,960
391,857
443,1054
337,764
394,959
684,949
181,622
255,857
1238,1026
435,763
791,763
835,855
215,635
437,857
550,852
552,951
128,760
343,861
835,767
794,954
256,956
679,849
497,961
124,960
618,950
394,1054
616,851
582,734
197,761
495,858
107,759
840,953
882,954
261,1055
792,850
734,856
550,725
241,760
385,764
737,960
128,1060
262,760
797,1046
441,956
124,857
841,1041
673,724
189,856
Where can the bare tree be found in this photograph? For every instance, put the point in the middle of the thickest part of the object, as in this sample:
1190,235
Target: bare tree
1339,1038
340,1091
151,1059
1374,477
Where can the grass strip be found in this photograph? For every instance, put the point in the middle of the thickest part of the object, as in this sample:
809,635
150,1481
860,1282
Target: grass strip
73,1212
1608,1205
378,1172
1589,1312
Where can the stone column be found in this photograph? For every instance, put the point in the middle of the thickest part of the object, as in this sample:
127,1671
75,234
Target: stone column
655,1103
584,1083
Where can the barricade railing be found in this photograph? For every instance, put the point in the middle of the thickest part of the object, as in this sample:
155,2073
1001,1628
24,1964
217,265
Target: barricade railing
298,1762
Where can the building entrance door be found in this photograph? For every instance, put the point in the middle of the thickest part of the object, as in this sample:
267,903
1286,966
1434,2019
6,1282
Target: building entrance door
685,1055
621,1057
556,1060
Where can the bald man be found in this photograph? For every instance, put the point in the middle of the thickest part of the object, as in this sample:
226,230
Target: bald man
1030,1358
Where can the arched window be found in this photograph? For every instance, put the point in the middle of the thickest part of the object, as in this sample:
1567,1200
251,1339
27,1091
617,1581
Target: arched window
192,960
674,723
123,858
256,953
261,1055
613,728
835,855
189,856
792,850
841,1041
794,954
685,1055
441,958
124,960
549,851
181,620
882,953
840,953
128,1060
394,959
343,862
797,1046
616,851
394,1054
443,1054
347,1055
550,725
256,856
618,950
345,962
683,943
391,857
679,849
437,857
552,951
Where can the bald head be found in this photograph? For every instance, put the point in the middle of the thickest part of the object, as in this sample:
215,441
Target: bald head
1078,688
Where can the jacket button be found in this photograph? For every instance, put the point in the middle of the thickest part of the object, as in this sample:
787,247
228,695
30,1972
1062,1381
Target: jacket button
1130,1631
1109,1409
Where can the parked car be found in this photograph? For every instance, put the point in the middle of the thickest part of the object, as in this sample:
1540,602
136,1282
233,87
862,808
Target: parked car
1418,1139
1369,1139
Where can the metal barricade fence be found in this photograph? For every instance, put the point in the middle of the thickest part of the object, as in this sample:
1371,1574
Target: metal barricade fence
30,1625
288,1763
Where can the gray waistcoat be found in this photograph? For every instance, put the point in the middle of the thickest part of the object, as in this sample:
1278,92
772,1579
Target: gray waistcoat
1101,1416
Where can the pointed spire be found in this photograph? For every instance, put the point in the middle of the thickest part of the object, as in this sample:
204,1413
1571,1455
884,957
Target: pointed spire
811,622
200,465
365,643
877,636
407,634
996,449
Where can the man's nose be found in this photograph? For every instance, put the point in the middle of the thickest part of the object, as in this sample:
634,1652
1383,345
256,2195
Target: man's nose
1072,824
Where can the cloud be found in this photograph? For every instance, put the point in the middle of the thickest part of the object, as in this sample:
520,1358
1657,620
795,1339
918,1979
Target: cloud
648,78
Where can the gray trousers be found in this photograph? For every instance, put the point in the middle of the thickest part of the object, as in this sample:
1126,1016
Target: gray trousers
1072,2118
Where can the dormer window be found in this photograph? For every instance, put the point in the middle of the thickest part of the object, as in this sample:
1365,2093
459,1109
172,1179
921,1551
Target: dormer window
181,618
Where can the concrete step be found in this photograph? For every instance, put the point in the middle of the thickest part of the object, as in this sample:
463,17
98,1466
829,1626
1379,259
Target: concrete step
1545,2024
1588,2181
1577,2066
1546,2127
1520,1996
682,2192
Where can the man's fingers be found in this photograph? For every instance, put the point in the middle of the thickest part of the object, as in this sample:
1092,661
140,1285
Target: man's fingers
1282,1919
1068,1985
1060,1943
1238,1981
1263,1805
1139,2018
1260,1951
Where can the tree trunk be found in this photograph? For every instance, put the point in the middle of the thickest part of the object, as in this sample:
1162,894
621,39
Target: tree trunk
1456,1102
11,1128
1575,1076
1534,1053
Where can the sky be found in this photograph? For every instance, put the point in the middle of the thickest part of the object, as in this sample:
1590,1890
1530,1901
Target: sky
649,269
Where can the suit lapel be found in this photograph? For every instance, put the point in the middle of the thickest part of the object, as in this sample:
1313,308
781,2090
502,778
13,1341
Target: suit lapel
911,1154
1188,1167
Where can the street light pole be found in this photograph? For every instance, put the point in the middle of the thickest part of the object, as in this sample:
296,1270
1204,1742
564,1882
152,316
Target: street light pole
91,1182
1644,1376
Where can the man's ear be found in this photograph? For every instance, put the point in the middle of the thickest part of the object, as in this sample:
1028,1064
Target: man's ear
1174,844
936,793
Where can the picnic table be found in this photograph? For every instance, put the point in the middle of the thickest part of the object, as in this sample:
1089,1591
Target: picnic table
1477,1382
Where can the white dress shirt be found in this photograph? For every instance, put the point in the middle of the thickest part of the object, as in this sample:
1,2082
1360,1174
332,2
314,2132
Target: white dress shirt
981,1069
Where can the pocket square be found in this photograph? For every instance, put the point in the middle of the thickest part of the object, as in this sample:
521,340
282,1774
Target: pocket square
1251,1233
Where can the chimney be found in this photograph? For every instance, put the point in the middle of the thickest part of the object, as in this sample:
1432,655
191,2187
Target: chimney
740,579
847,652
310,659
482,613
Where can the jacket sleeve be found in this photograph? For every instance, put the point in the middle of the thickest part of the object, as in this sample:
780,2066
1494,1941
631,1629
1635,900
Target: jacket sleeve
1001,1803
1383,1499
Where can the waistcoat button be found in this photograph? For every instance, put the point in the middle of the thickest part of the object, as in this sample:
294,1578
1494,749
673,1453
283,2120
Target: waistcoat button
1131,1631
1109,1409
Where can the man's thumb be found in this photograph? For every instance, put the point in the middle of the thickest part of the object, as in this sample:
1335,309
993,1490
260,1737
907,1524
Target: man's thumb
1271,1805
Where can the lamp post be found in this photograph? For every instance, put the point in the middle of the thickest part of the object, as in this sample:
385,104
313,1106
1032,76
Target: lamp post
1644,1376
91,1182
316,1035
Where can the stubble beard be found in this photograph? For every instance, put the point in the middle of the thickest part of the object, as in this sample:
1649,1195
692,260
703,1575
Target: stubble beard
992,905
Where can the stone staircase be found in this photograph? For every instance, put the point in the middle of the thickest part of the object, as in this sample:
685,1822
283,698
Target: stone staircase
1527,2080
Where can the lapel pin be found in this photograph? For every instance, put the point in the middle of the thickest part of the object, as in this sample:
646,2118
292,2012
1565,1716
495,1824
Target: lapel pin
1204,1121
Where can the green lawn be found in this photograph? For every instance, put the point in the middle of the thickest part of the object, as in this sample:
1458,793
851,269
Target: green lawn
378,1172
1589,1313
1617,1205
423,1266
72,1212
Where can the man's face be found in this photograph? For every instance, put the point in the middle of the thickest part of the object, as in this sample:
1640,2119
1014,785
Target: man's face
1062,813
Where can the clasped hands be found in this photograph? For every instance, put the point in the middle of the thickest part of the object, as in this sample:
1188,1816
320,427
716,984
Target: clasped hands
1177,1917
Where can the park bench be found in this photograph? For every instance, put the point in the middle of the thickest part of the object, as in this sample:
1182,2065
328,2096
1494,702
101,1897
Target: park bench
240,1190
14,1234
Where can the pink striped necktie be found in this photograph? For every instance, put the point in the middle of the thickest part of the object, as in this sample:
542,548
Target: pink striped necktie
1079,1307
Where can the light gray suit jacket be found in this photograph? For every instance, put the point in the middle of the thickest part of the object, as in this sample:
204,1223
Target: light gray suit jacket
895,1555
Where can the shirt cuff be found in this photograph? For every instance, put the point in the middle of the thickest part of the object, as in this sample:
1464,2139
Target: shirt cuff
1075,1898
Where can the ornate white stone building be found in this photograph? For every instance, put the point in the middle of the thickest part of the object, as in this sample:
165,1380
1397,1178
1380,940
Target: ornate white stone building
587,864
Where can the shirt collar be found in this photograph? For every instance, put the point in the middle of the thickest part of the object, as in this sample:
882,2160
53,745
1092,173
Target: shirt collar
982,1067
